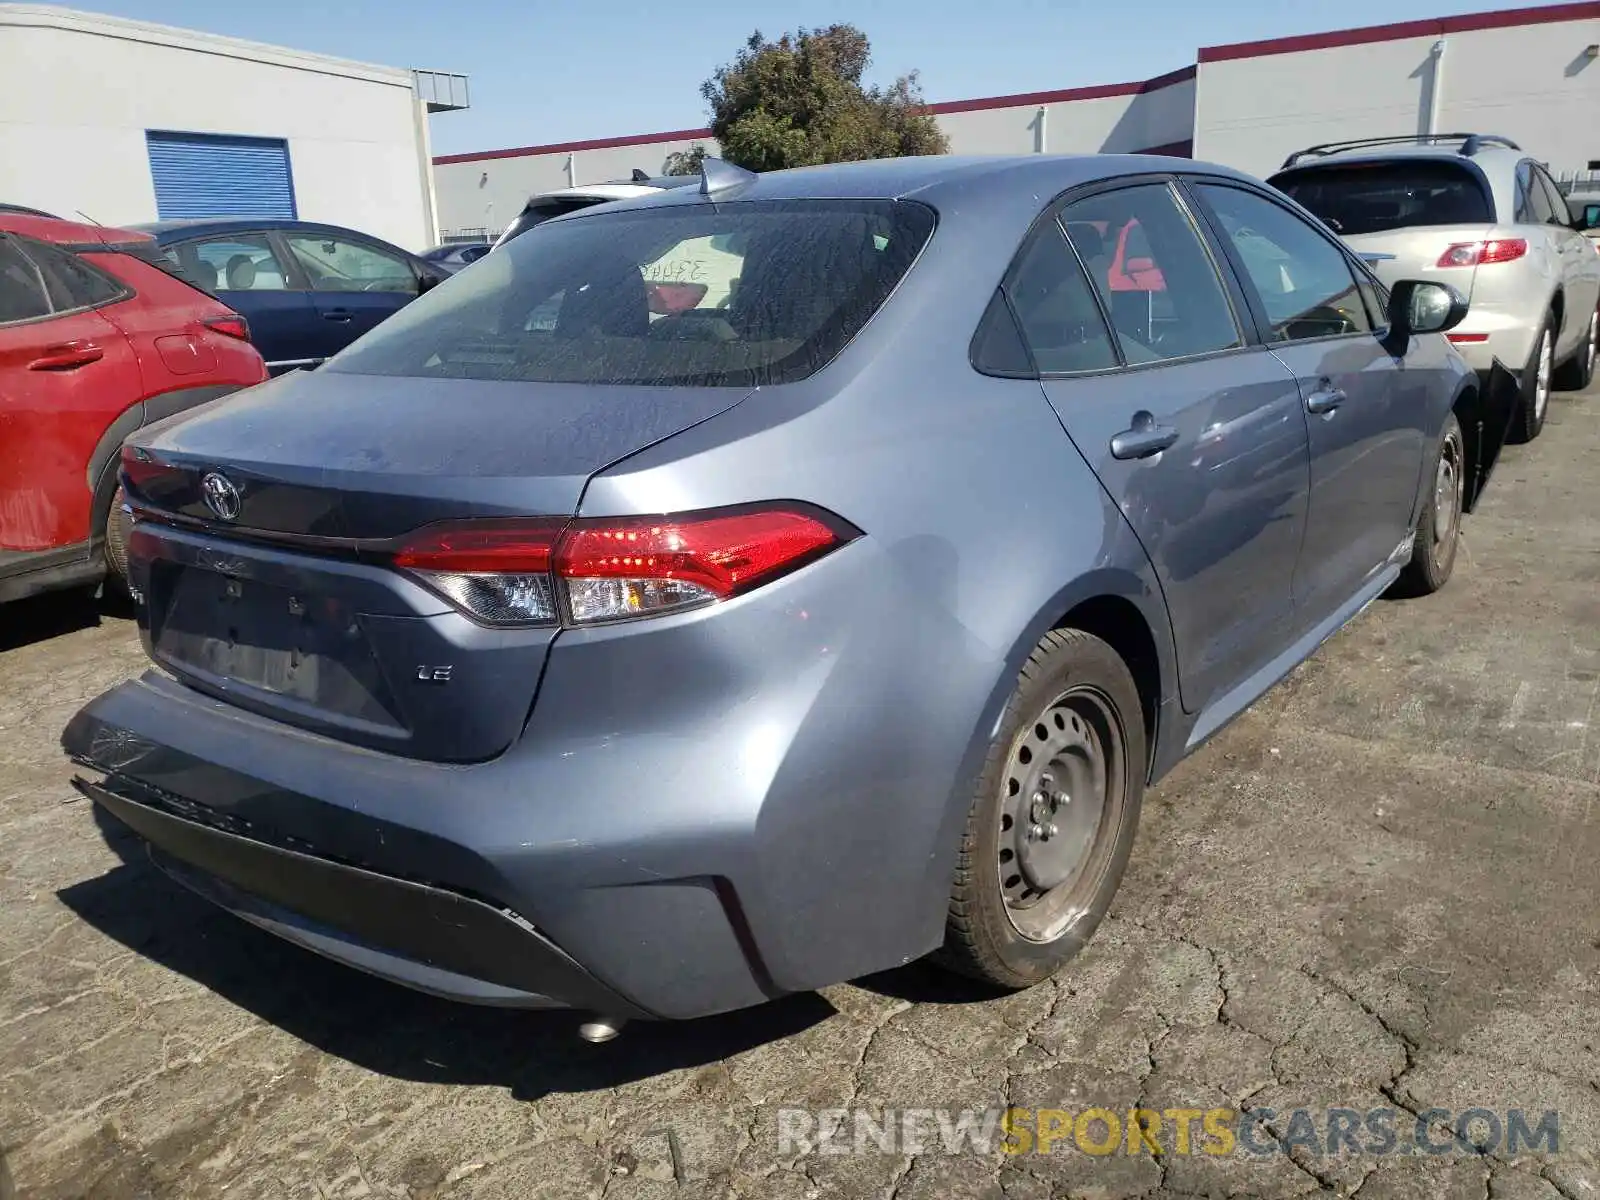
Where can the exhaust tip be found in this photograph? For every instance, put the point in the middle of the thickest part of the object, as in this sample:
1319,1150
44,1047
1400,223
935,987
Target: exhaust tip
599,1029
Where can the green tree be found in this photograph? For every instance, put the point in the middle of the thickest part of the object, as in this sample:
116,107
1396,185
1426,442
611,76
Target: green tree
685,162
800,101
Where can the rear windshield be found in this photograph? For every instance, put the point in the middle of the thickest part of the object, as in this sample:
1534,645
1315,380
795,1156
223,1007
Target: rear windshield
1393,195
729,295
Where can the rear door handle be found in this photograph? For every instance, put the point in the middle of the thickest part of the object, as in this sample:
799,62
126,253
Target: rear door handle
1324,400
337,314
67,357
1145,440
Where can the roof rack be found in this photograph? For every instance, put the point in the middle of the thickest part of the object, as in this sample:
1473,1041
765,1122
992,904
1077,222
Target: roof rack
1471,143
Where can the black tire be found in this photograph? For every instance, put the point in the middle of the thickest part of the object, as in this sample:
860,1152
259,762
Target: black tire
1075,695
1577,372
117,543
1433,554
1529,421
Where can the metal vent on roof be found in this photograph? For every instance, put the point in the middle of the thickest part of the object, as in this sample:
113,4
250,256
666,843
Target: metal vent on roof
441,91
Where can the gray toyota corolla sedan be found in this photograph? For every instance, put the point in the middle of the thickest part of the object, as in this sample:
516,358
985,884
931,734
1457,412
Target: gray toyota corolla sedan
744,589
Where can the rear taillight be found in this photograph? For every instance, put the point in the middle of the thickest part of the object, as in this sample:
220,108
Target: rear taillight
612,569
1480,254
1466,339
232,325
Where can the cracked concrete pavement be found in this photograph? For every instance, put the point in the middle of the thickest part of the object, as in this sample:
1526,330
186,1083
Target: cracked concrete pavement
1375,891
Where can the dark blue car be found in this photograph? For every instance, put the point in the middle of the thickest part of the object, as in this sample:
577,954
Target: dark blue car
308,290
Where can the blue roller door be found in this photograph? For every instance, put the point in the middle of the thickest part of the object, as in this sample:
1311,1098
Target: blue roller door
206,175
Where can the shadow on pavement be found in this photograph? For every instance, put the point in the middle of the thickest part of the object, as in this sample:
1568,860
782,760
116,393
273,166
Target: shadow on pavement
40,618
387,1028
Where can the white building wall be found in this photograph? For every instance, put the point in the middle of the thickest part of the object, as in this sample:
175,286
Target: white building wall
1529,82
1099,124
485,193
80,90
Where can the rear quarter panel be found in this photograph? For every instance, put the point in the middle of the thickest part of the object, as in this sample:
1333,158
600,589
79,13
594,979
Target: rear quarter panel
983,526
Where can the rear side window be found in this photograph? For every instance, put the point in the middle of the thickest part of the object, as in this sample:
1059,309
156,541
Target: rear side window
241,263
1372,198
1056,308
729,295
71,282
22,294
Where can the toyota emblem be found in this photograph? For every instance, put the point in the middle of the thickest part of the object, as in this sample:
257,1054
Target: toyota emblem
221,496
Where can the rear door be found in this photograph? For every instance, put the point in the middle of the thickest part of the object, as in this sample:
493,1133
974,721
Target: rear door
1195,432
355,283
1366,417
248,273
66,374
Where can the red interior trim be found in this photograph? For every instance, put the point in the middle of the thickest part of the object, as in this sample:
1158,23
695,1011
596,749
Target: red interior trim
1467,23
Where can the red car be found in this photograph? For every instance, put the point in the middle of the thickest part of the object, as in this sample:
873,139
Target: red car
96,341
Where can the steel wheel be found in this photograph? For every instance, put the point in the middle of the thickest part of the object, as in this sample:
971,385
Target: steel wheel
1064,783
1447,499
1541,379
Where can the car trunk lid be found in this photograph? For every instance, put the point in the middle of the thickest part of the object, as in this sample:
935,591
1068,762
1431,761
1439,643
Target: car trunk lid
259,553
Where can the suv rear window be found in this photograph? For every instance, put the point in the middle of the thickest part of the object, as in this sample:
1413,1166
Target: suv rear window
539,211
726,295
1372,198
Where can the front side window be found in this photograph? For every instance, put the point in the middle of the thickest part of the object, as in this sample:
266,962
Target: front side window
245,263
22,293
336,264
1377,197
1153,273
1304,281
728,295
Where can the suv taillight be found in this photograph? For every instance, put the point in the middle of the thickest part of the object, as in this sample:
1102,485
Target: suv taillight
1480,254
515,572
232,325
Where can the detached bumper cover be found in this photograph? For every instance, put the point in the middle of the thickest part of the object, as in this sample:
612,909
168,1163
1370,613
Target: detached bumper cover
427,937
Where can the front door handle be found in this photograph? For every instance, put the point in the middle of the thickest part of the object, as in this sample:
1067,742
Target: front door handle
337,314
1324,400
67,357
1145,440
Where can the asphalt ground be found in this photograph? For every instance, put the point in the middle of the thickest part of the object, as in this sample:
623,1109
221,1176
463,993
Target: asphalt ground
1374,893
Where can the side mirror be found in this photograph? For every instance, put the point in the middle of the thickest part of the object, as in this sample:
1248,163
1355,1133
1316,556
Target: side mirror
1588,219
427,280
1422,306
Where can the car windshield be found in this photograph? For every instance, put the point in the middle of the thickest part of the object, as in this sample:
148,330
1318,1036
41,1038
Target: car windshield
1372,198
727,295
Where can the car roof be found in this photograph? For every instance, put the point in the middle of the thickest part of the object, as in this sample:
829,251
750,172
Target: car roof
67,233
937,178
166,231
1490,157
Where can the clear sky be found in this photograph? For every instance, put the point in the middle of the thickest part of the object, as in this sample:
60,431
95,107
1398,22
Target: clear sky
566,70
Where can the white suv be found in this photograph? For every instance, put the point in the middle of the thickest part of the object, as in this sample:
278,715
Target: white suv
1475,211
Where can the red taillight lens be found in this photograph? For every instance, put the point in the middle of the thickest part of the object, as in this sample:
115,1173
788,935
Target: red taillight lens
505,572
1475,254
497,571
232,325
615,569
1462,339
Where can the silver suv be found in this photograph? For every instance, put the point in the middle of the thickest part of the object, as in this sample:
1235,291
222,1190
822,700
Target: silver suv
1473,210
